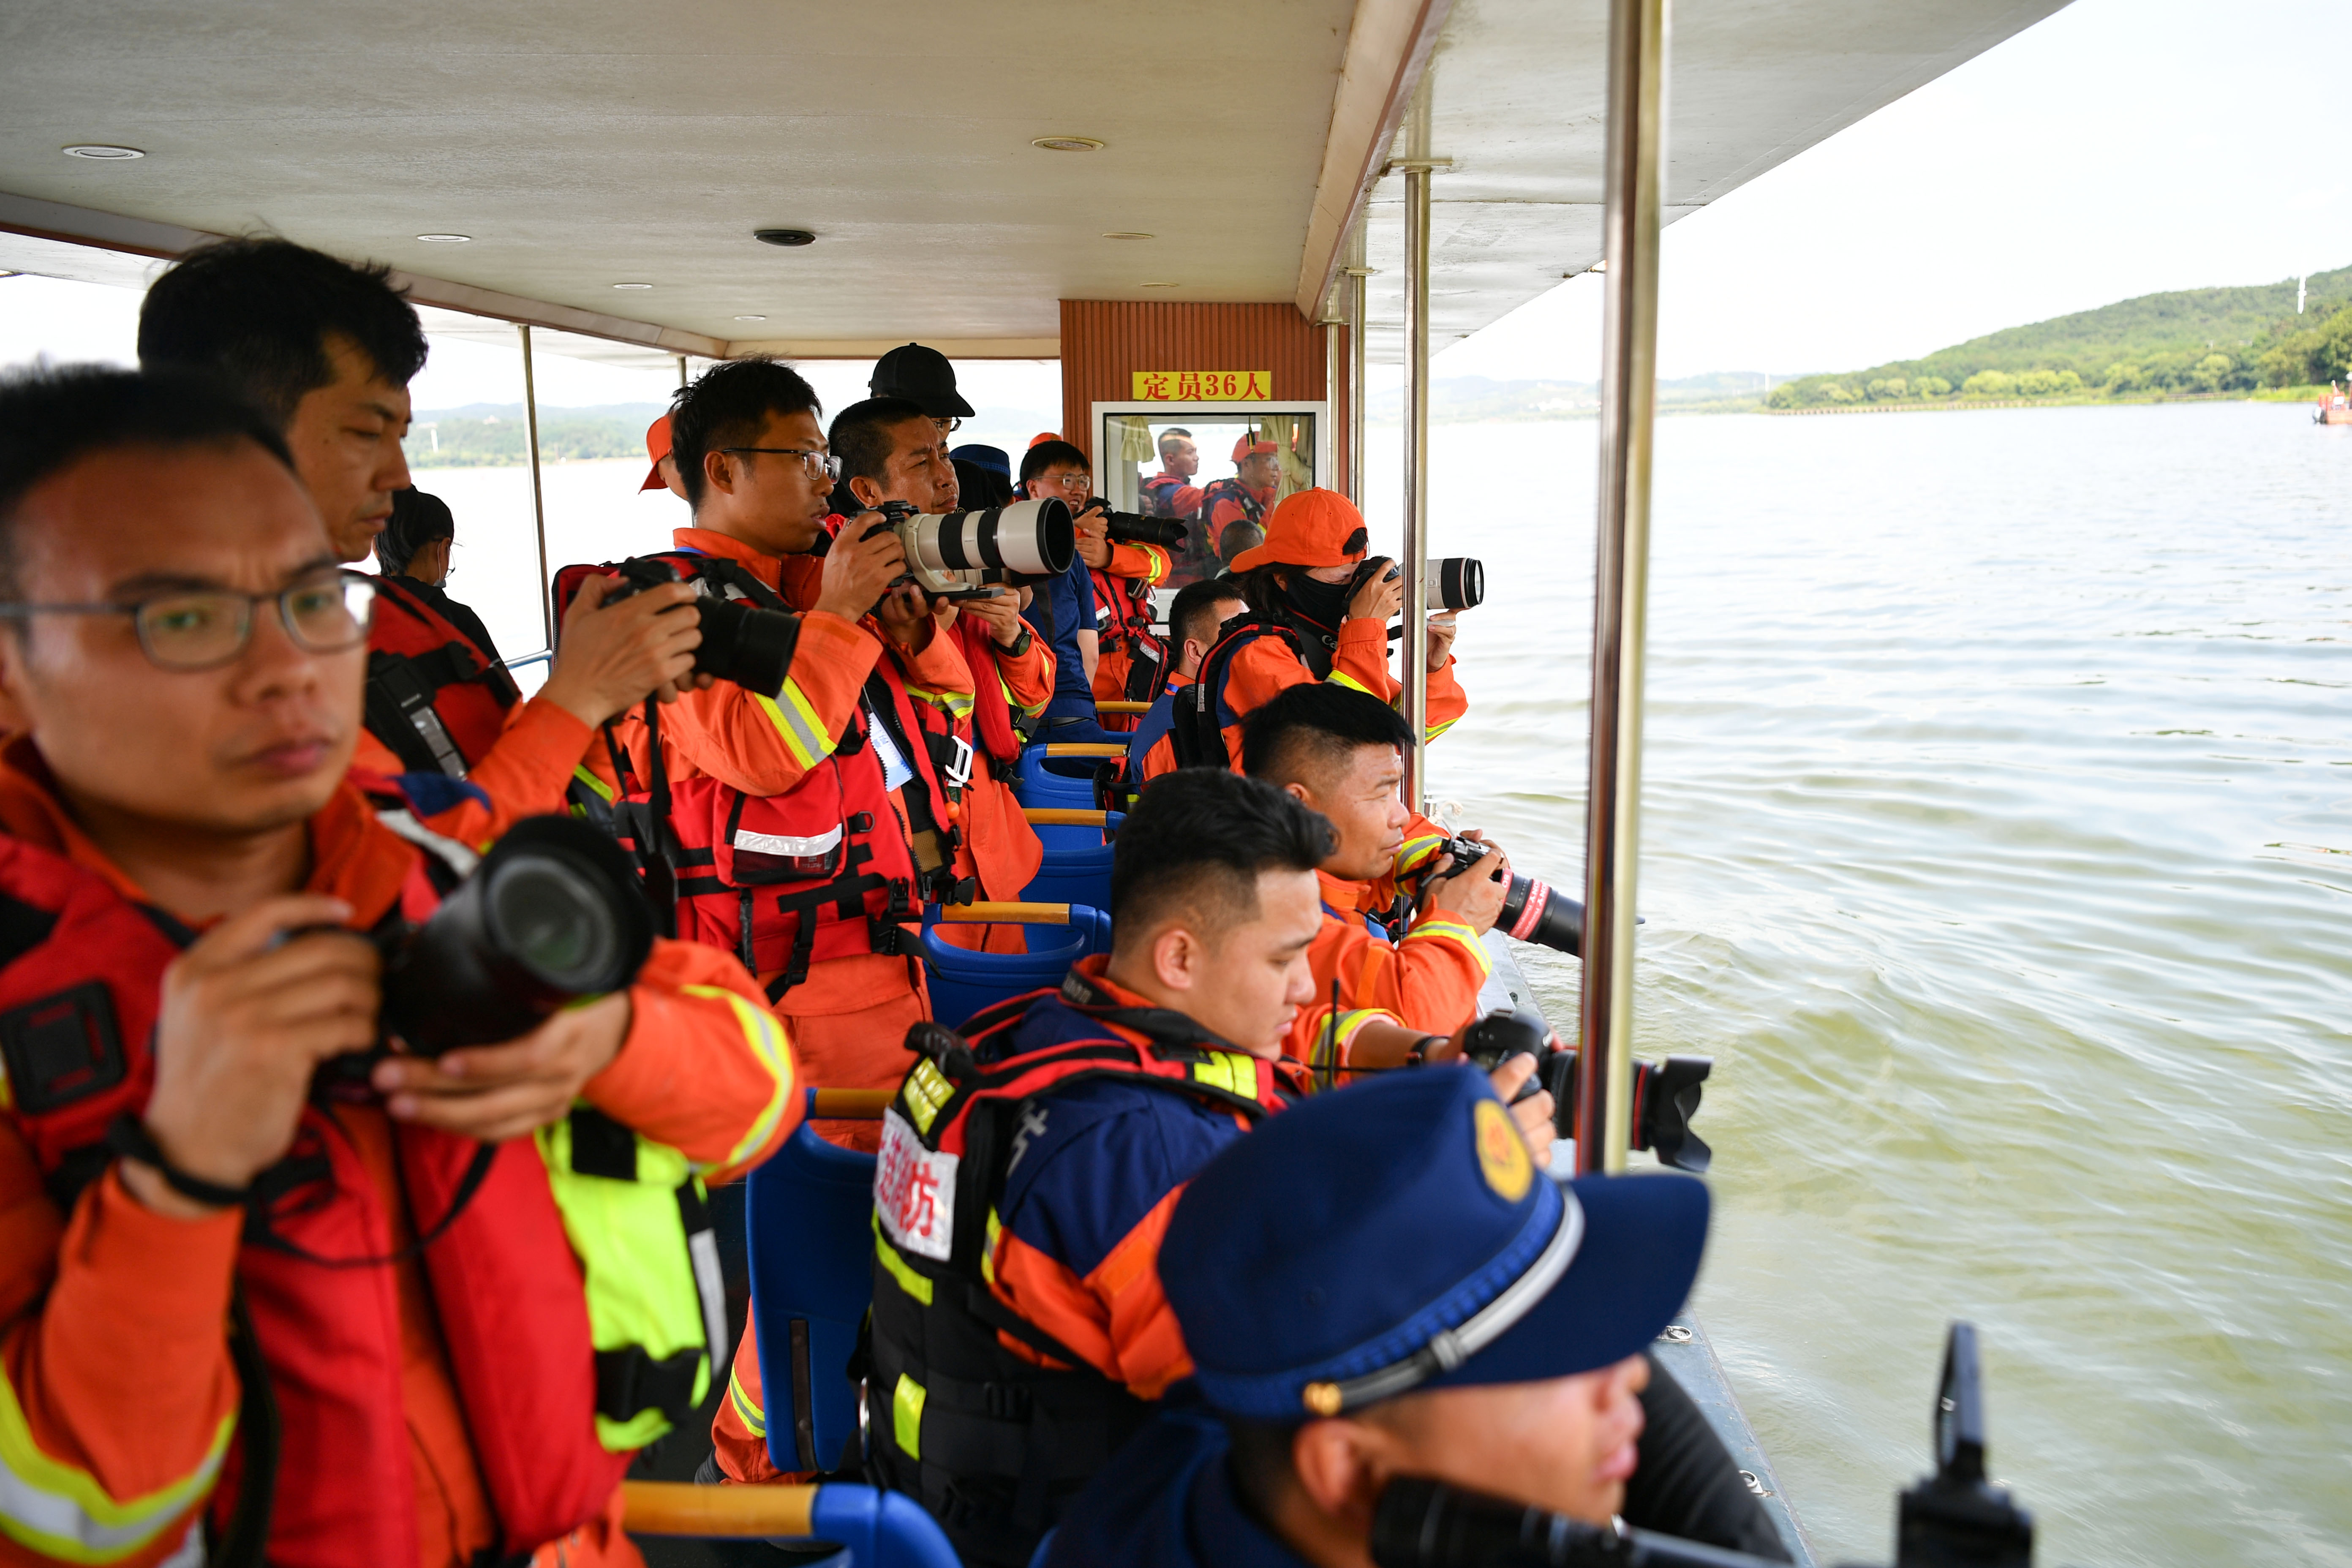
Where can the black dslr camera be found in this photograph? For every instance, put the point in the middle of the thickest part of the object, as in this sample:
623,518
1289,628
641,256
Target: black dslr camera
1134,528
742,643
1532,911
1665,1094
552,915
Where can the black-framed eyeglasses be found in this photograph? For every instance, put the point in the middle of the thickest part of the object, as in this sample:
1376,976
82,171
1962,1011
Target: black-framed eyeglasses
817,462
203,628
949,426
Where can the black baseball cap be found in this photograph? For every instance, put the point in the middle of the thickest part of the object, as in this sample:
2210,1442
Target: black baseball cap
920,376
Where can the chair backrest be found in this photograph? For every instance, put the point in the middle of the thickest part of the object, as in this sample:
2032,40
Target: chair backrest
962,982
877,1529
1076,866
1038,783
809,1220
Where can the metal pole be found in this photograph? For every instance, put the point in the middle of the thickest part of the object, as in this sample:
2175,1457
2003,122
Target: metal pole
1637,49
1415,706
537,497
1334,370
1355,289
682,377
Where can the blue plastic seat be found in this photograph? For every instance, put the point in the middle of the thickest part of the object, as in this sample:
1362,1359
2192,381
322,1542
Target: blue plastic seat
962,982
809,1220
1056,775
1077,868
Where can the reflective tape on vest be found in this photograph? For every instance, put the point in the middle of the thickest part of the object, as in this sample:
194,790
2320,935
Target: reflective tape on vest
914,1191
777,844
62,1512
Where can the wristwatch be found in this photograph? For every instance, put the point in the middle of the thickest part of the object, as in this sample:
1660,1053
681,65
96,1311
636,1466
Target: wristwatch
1020,645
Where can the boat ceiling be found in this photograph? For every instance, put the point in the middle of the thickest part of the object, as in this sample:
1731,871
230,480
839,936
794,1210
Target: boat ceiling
589,143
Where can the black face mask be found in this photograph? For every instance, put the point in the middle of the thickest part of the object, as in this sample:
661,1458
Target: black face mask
1325,604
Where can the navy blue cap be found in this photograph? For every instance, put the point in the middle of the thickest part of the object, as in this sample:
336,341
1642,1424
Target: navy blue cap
922,376
1397,1235
981,455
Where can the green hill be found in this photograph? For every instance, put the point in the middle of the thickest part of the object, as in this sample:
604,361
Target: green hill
2191,341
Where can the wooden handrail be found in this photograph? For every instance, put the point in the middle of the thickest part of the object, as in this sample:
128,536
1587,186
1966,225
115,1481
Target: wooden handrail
1032,914
1122,707
681,1508
1084,749
1064,817
850,1104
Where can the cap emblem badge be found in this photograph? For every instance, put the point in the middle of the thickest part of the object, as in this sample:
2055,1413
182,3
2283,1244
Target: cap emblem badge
1503,1157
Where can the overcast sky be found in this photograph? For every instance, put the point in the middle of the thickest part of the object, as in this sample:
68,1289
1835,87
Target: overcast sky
2120,148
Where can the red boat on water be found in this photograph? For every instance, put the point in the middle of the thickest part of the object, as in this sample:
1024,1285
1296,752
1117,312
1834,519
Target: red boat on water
2336,408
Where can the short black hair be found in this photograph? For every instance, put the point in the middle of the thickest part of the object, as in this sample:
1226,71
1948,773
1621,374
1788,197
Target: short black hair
1052,454
725,406
1315,727
861,438
417,520
1194,613
52,416
1174,433
258,313
1195,843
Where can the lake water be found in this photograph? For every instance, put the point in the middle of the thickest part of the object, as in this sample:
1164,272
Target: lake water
1997,845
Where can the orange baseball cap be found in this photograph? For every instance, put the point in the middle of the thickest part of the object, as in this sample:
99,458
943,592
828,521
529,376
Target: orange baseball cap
656,447
1043,436
1310,528
1255,446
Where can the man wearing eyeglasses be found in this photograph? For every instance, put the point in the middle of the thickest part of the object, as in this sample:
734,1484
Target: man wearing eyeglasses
213,1256
328,349
1064,612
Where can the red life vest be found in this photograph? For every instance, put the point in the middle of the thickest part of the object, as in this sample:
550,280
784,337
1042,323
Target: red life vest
1123,619
821,871
81,973
1159,497
1235,535
434,699
1206,729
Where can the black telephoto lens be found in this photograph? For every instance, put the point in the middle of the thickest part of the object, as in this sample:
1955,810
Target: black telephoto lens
552,915
1531,910
1133,528
745,644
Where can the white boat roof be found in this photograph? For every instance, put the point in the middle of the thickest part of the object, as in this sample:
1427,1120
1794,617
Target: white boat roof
597,142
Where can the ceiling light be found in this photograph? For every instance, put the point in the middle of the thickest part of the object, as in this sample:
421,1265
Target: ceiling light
446,239
632,285
751,318
1068,144
785,236
102,153
1128,233
1155,285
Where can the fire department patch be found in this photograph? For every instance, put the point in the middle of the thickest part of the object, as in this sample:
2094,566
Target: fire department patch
914,1191
1503,1157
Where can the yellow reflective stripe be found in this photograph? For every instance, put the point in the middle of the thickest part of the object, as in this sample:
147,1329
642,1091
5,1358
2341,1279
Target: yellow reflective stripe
765,1033
987,1249
581,774
1233,1074
1437,730
1444,928
925,1091
754,1419
1030,708
1415,851
1341,677
63,1512
957,703
794,717
906,1416
912,1283
1159,563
